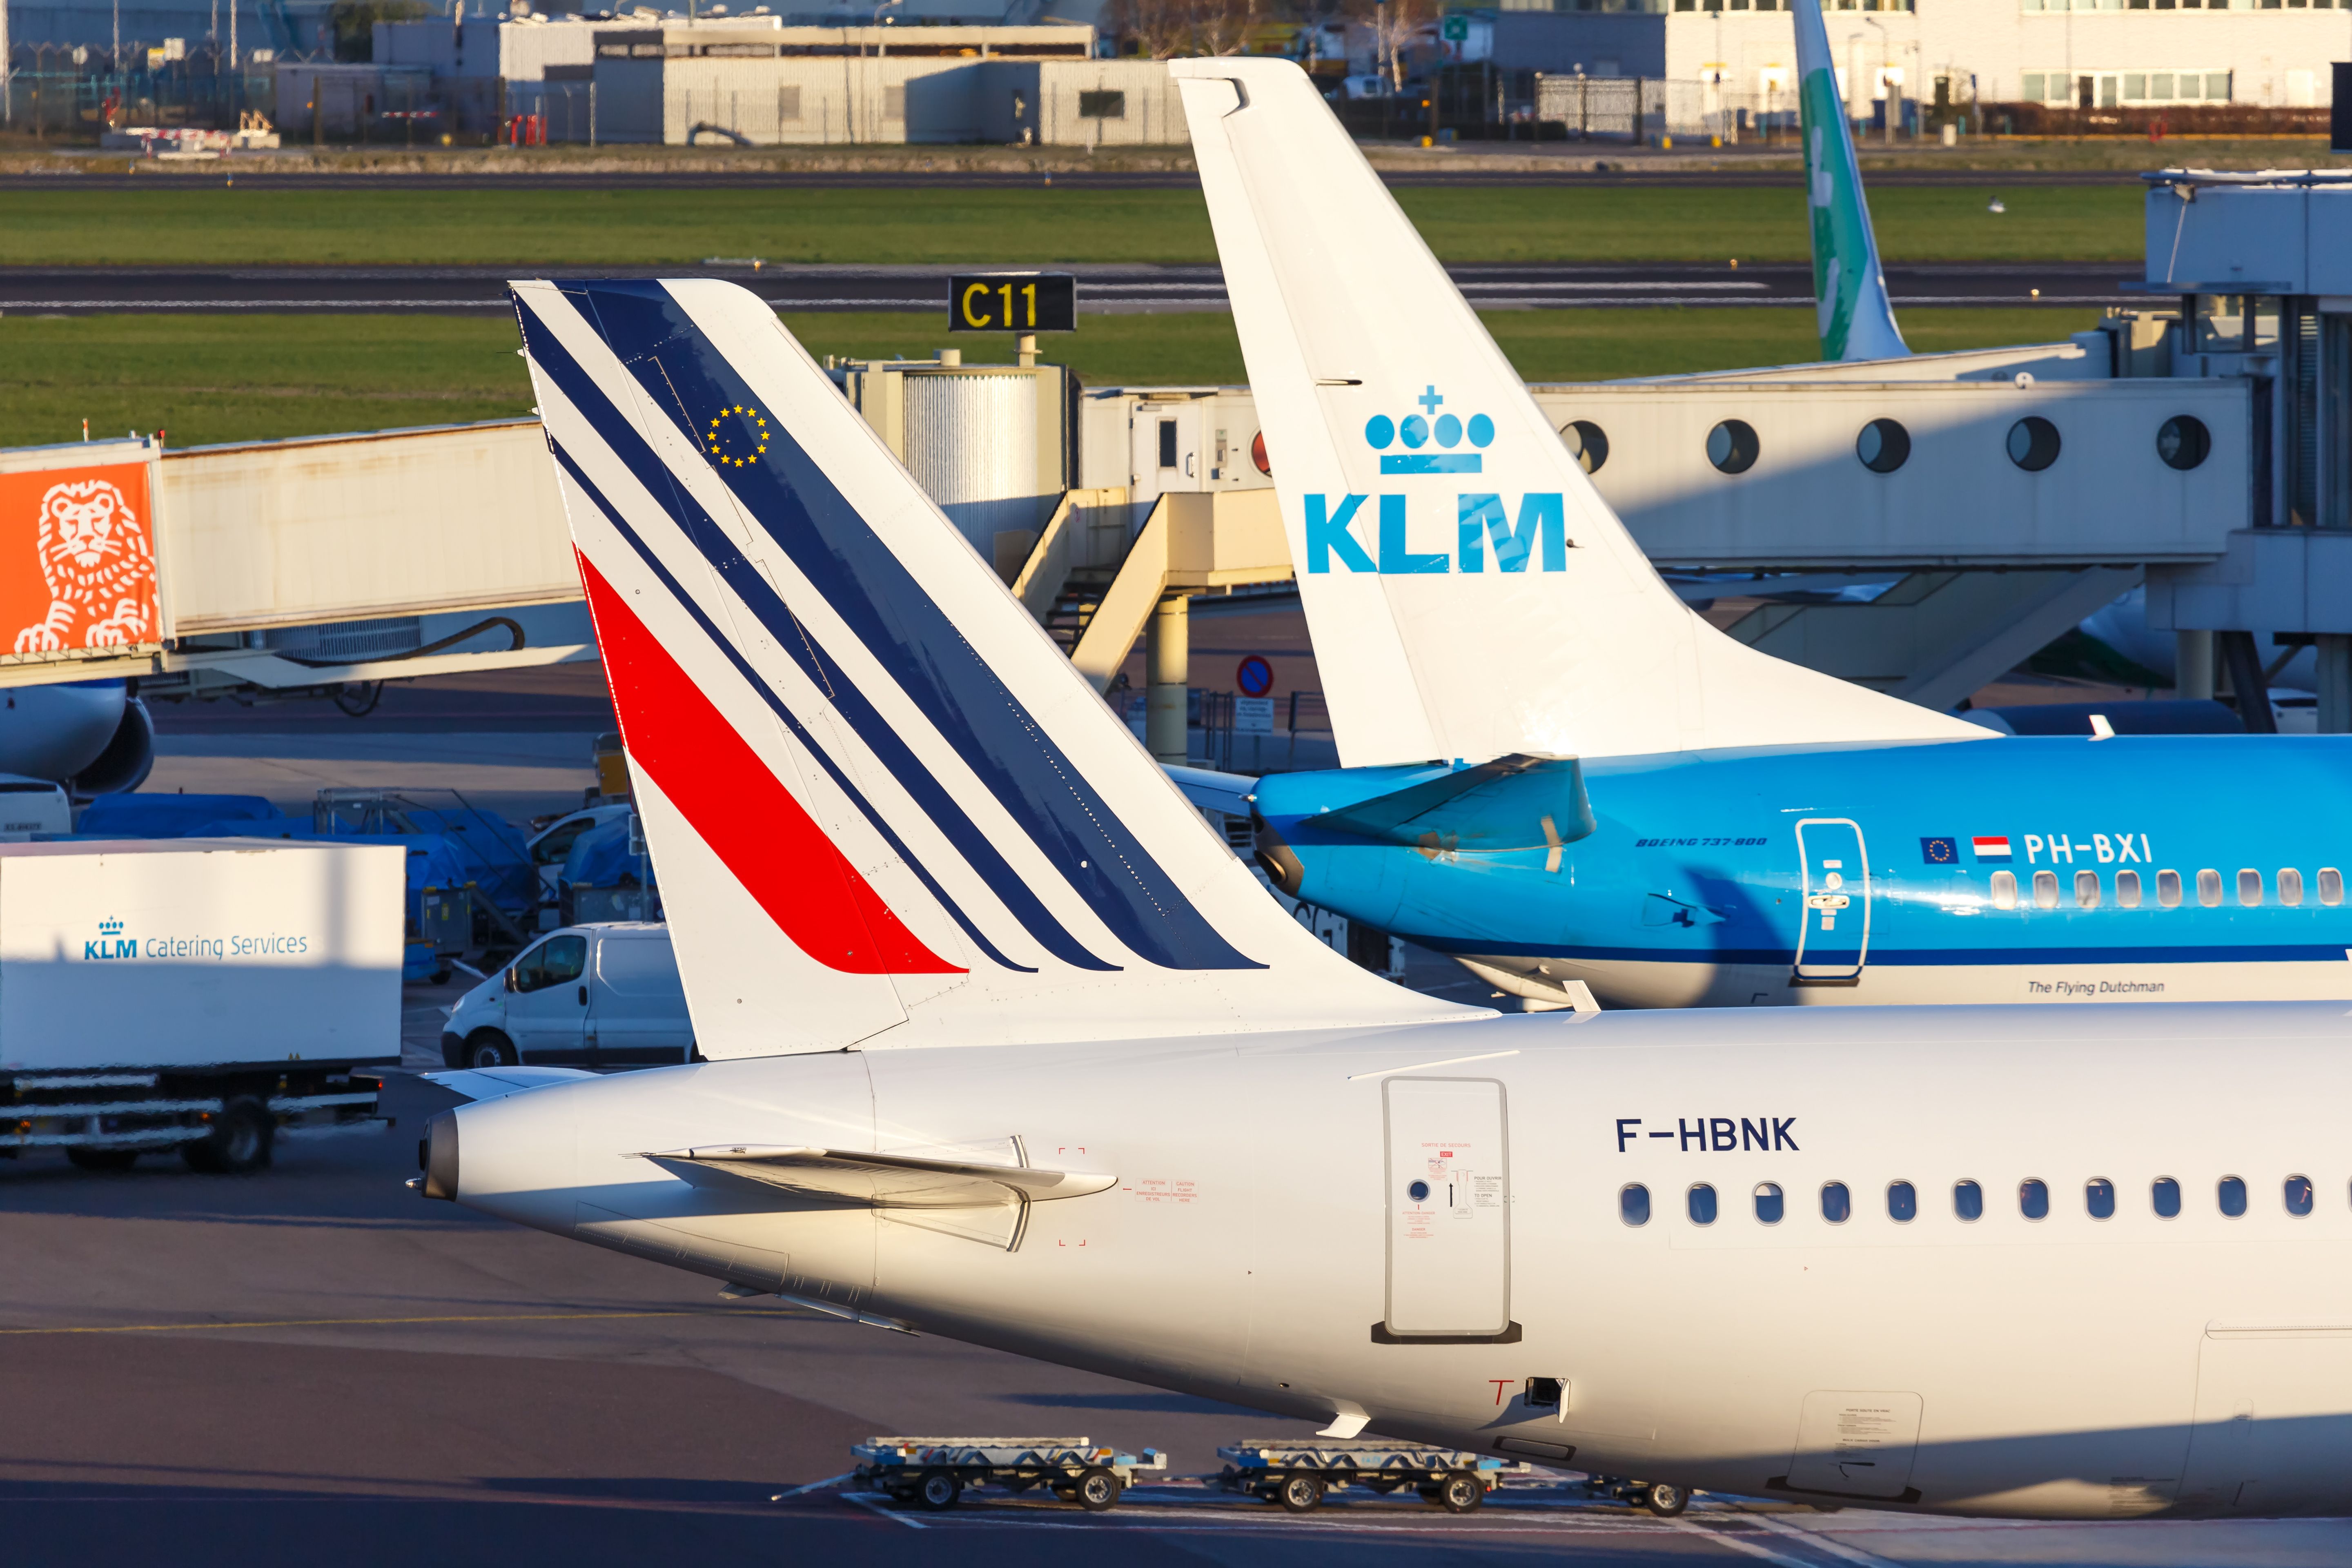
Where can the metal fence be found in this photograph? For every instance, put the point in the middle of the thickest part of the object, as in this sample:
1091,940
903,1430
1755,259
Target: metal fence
1640,109
57,90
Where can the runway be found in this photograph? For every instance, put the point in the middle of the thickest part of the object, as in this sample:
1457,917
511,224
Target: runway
466,291
1592,164
312,1364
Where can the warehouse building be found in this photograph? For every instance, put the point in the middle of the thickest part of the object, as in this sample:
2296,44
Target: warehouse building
1032,86
2079,54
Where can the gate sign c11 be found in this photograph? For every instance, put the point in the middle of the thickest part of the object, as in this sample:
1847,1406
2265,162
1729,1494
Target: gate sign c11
1253,675
1013,303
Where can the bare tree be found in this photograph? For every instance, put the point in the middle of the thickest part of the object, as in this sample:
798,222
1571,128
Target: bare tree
1395,25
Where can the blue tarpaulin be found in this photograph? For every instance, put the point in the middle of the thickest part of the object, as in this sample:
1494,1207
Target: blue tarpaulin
135,816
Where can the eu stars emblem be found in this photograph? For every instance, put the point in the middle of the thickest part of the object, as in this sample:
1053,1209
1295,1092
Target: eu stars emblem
1940,851
737,437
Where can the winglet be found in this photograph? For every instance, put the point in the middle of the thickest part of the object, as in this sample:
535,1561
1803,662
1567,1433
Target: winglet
1849,287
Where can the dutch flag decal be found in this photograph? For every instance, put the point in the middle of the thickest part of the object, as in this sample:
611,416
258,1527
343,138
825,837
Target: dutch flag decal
1990,848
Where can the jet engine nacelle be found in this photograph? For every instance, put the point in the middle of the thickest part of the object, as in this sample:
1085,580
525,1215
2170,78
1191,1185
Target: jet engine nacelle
92,734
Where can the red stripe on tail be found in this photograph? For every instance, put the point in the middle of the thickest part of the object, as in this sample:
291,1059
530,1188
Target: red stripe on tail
740,807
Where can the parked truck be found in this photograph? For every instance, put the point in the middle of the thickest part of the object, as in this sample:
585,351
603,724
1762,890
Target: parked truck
197,995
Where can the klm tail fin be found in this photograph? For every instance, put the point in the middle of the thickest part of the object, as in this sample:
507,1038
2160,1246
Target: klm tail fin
1849,287
1470,595
886,808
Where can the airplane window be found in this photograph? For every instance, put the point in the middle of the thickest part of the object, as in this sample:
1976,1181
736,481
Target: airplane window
2045,889
2004,890
2086,890
2166,1195
2331,885
1702,1204
2127,889
2167,888
2234,1196
2033,1199
1968,1200
1837,1204
2299,1194
1634,1204
2099,1197
1902,1201
2250,887
1768,1202
2209,888
2290,887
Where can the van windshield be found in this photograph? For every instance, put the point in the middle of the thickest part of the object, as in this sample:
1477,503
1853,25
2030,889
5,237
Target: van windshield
552,962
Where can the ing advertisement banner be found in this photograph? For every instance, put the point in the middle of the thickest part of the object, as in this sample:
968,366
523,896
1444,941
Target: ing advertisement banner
76,560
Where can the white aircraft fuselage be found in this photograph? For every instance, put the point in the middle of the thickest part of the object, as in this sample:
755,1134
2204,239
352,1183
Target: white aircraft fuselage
1262,1242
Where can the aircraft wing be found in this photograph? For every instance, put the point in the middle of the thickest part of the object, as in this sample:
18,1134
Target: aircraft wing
882,1180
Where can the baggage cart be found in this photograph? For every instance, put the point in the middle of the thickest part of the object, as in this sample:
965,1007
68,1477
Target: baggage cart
933,1472
1299,1474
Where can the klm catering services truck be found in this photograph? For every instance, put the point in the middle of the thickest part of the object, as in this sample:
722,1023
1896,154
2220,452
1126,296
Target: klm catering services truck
199,994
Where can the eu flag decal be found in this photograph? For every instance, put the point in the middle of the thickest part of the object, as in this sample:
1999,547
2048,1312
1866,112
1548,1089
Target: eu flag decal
739,436
1940,851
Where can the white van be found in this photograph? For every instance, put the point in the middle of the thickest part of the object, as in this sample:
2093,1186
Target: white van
585,995
29,805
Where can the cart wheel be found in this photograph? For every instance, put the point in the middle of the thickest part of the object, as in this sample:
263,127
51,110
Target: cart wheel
1098,1490
1665,1499
938,1490
1461,1492
1300,1493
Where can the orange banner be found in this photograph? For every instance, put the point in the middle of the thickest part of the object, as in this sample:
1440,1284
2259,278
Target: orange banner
77,559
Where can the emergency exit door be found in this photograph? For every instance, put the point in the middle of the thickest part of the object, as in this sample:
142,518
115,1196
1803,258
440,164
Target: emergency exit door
1449,1181
1834,941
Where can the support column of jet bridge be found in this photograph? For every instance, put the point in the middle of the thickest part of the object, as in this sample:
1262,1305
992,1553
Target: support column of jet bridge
1168,678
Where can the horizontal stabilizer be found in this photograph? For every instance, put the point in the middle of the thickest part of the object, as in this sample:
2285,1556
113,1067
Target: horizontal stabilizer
496,1083
1519,802
881,1181
1212,790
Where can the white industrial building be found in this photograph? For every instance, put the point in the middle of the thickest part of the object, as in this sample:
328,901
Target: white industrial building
2099,54
752,80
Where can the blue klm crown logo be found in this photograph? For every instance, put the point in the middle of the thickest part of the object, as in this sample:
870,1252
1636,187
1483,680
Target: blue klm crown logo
1418,430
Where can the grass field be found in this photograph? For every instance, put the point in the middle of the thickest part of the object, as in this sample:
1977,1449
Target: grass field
276,221
206,379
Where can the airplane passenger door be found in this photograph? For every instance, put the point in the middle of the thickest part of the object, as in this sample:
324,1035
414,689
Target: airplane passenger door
1449,1193
1834,941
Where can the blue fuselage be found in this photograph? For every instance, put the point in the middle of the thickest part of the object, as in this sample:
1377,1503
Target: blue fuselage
2139,867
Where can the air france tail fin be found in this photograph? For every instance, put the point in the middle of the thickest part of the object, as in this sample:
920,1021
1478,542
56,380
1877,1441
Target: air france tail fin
1470,595
886,808
1849,287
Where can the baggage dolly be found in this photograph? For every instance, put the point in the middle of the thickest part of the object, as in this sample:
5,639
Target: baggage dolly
933,1473
1299,1475
1663,1499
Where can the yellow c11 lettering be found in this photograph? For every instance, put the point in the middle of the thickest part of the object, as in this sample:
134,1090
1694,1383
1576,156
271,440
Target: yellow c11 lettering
971,289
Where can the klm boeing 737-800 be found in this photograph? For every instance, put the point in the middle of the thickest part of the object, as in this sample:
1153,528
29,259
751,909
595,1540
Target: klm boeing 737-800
1005,1046
1557,772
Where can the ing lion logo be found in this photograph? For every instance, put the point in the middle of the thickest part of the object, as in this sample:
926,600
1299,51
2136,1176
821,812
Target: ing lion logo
100,571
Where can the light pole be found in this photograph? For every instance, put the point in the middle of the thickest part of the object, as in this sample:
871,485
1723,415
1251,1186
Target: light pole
881,53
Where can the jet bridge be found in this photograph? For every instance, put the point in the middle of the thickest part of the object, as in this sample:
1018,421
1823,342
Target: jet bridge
287,566
2007,492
